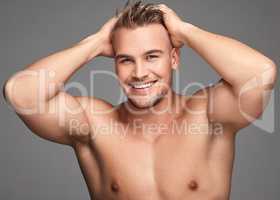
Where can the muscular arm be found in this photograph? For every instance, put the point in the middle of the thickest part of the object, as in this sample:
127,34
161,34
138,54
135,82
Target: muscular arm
240,95
35,92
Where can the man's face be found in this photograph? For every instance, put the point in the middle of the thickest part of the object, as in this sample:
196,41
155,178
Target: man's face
144,59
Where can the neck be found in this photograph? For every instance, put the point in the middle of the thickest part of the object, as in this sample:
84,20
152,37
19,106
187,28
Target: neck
163,112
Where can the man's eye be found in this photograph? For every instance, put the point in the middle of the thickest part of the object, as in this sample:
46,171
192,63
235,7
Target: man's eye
125,61
151,57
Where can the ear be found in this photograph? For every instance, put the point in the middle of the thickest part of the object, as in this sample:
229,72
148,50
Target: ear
175,58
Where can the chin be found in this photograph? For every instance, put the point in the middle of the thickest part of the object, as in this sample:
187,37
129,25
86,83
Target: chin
141,105
145,102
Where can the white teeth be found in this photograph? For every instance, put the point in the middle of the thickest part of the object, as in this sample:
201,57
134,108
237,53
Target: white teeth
142,86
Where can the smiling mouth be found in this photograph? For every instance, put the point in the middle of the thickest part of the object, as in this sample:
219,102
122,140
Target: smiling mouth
143,86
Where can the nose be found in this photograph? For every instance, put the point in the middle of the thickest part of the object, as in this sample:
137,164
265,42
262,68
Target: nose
140,71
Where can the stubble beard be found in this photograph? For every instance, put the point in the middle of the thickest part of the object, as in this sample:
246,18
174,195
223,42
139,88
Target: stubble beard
150,102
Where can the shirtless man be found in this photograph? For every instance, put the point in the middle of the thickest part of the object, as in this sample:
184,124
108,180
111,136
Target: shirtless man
138,149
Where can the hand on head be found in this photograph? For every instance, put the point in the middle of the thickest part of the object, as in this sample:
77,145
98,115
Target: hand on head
105,35
171,20
173,23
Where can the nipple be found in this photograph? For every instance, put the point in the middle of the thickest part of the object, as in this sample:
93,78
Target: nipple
114,187
193,185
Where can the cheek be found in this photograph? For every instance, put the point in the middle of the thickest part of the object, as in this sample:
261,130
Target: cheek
162,68
122,73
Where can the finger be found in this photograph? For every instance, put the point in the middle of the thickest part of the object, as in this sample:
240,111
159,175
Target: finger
163,7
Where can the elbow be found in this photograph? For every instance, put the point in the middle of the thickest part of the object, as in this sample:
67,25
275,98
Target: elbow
270,74
16,92
7,91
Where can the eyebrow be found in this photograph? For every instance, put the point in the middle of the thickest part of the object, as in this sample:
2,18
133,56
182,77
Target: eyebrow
146,53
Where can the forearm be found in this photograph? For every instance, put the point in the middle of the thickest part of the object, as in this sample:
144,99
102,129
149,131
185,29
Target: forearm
232,60
42,80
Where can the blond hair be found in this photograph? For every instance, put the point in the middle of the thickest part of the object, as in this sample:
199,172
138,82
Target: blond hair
139,14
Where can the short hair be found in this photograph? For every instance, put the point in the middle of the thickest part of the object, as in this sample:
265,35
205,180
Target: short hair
139,14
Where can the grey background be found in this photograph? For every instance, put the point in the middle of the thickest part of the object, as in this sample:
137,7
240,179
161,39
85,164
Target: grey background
33,168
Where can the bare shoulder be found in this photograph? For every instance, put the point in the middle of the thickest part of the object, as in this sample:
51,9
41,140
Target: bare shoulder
97,103
94,106
196,103
199,107
97,111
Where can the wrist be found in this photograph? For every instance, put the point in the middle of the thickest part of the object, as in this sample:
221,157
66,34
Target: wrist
185,31
94,45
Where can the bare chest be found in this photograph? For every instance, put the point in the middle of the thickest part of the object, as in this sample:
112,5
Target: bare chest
175,166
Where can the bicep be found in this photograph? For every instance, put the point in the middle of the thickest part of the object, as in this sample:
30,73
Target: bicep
58,119
237,107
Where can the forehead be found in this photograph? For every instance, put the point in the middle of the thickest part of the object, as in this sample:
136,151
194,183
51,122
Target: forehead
141,39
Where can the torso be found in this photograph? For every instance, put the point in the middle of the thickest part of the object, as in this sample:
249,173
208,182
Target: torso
194,163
